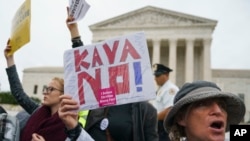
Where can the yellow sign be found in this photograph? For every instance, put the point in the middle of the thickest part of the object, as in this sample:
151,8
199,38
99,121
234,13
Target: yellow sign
20,30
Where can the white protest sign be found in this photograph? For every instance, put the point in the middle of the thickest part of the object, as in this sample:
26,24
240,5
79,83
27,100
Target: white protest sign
112,72
78,9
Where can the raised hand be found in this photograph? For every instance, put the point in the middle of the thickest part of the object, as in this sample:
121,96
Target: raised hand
73,27
9,58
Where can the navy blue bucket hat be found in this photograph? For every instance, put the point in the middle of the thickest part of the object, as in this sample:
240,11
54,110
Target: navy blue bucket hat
200,90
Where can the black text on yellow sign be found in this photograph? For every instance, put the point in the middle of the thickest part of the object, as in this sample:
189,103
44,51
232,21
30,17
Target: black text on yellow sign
20,29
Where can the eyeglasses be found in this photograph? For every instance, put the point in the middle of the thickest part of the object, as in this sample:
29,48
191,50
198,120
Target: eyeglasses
48,90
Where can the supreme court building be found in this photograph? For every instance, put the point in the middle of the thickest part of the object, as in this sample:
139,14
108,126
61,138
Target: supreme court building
178,40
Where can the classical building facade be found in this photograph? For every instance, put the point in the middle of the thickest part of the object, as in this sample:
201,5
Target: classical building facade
178,40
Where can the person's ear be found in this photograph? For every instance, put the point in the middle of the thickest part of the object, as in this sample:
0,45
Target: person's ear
181,121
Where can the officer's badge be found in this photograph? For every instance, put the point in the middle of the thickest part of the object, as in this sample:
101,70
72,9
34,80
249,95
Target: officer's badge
171,91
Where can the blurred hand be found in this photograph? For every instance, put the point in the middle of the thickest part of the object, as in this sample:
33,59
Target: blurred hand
68,111
9,58
72,26
7,50
36,137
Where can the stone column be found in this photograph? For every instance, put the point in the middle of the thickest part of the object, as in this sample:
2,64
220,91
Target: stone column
156,51
172,58
207,59
189,74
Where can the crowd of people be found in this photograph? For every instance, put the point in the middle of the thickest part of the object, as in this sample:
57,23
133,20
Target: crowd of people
197,111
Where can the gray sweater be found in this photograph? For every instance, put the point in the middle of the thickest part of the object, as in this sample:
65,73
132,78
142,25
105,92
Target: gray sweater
21,97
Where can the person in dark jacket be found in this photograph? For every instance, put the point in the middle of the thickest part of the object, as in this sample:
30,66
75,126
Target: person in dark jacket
127,122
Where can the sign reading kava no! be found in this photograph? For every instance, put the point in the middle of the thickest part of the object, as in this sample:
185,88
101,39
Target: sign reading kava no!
112,72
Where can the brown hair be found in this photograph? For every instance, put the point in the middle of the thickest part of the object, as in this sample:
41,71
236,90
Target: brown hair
60,82
177,131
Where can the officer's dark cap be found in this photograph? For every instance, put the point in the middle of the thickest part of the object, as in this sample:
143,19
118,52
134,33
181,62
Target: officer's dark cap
160,69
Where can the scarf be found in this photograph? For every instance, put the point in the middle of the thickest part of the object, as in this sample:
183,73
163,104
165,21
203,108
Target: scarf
42,123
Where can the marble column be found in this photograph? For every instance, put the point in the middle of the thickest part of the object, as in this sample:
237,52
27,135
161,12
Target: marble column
172,58
189,60
207,59
156,51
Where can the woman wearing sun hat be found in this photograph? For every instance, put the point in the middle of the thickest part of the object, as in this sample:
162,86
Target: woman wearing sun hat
201,111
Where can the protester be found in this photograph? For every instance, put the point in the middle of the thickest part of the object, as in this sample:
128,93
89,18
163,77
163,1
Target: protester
164,96
203,112
44,122
138,121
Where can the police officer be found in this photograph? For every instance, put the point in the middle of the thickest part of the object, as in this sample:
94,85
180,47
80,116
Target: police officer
164,96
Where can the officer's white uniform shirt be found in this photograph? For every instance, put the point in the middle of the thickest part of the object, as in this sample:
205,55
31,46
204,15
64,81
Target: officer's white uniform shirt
84,136
165,96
